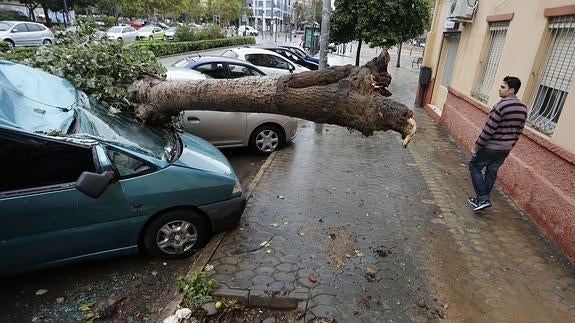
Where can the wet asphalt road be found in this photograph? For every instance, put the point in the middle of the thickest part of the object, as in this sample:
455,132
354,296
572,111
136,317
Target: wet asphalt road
139,285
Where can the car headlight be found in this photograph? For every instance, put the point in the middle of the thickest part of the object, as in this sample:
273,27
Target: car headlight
237,188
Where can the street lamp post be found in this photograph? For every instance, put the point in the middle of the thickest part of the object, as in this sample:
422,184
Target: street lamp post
324,35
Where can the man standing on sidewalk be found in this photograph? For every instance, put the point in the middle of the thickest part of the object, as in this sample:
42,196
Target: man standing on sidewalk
500,133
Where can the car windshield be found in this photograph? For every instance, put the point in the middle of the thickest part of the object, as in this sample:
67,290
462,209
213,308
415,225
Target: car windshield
120,129
185,62
298,51
115,30
147,28
4,26
171,29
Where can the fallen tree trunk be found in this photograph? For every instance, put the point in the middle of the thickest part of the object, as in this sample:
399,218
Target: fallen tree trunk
349,96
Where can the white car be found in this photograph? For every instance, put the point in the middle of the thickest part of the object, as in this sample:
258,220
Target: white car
249,31
269,62
262,132
122,33
170,33
24,33
151,33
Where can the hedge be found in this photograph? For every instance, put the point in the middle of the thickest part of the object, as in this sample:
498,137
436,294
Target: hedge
159,48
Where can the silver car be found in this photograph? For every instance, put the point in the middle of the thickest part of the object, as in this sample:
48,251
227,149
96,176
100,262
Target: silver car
122,33
24,33
262,132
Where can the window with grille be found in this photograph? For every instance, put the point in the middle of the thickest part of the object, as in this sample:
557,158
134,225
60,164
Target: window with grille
497,33
555,76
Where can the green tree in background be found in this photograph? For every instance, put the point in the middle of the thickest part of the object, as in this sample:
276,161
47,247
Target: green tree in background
382,23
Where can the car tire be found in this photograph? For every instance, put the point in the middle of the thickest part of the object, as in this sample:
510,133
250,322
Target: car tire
266,139
151,38
46,42
10,43
165,38
119,39
176,234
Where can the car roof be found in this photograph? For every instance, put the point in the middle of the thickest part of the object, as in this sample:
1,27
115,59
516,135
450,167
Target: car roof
182,74
27,98
196,60
252,50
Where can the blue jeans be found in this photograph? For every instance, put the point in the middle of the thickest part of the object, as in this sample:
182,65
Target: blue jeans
491,160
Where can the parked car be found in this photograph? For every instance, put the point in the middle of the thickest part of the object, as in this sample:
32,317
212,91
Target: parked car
292,56
269,62
301,52
13,15
331,47
150,33
170,33
136,24
220,67
23,33
262,132
248,30
80,183
124,33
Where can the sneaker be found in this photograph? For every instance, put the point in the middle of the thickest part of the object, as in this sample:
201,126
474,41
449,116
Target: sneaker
482,205
473,201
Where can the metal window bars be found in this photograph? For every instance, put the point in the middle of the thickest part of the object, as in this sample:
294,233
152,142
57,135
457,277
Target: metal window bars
497,33
555,77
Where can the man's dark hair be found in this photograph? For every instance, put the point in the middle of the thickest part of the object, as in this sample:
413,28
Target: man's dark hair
513,83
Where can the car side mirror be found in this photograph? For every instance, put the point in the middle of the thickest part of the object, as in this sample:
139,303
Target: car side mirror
93,184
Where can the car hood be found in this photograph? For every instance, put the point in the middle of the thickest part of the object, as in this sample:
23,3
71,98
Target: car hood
199,154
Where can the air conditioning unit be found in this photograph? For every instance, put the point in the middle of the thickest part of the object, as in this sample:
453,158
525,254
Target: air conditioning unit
462,10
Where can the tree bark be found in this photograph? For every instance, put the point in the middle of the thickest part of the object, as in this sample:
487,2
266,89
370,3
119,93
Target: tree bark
358,52
349,96
399,54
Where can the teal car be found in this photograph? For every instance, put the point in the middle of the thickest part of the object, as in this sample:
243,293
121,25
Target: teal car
78,182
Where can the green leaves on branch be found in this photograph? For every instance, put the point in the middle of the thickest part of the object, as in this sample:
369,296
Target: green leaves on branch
379,22
105,69
102,69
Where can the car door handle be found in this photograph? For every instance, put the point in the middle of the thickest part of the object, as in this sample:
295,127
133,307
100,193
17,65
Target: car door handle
194,119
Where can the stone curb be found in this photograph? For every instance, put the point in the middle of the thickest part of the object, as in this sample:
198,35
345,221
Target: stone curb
204,255
262,298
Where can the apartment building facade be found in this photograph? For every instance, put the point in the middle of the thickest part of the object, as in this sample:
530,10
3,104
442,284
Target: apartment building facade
270,15
535,41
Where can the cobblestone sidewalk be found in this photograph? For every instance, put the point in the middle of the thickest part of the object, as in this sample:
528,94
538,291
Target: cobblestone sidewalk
362,230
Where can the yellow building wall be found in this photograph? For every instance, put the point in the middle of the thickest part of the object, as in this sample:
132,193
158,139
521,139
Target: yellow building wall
525,45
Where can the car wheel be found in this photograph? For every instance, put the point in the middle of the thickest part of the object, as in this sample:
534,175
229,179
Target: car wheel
10,43
46,42
151,37
176,234
266,139
165,38
119,39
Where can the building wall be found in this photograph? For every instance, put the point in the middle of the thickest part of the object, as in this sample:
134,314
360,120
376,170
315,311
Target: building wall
539,175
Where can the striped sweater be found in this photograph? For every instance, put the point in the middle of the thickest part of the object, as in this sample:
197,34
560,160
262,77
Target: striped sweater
503,126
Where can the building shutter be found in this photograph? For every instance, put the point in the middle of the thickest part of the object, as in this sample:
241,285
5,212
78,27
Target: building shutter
497,35
560,63
555,77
